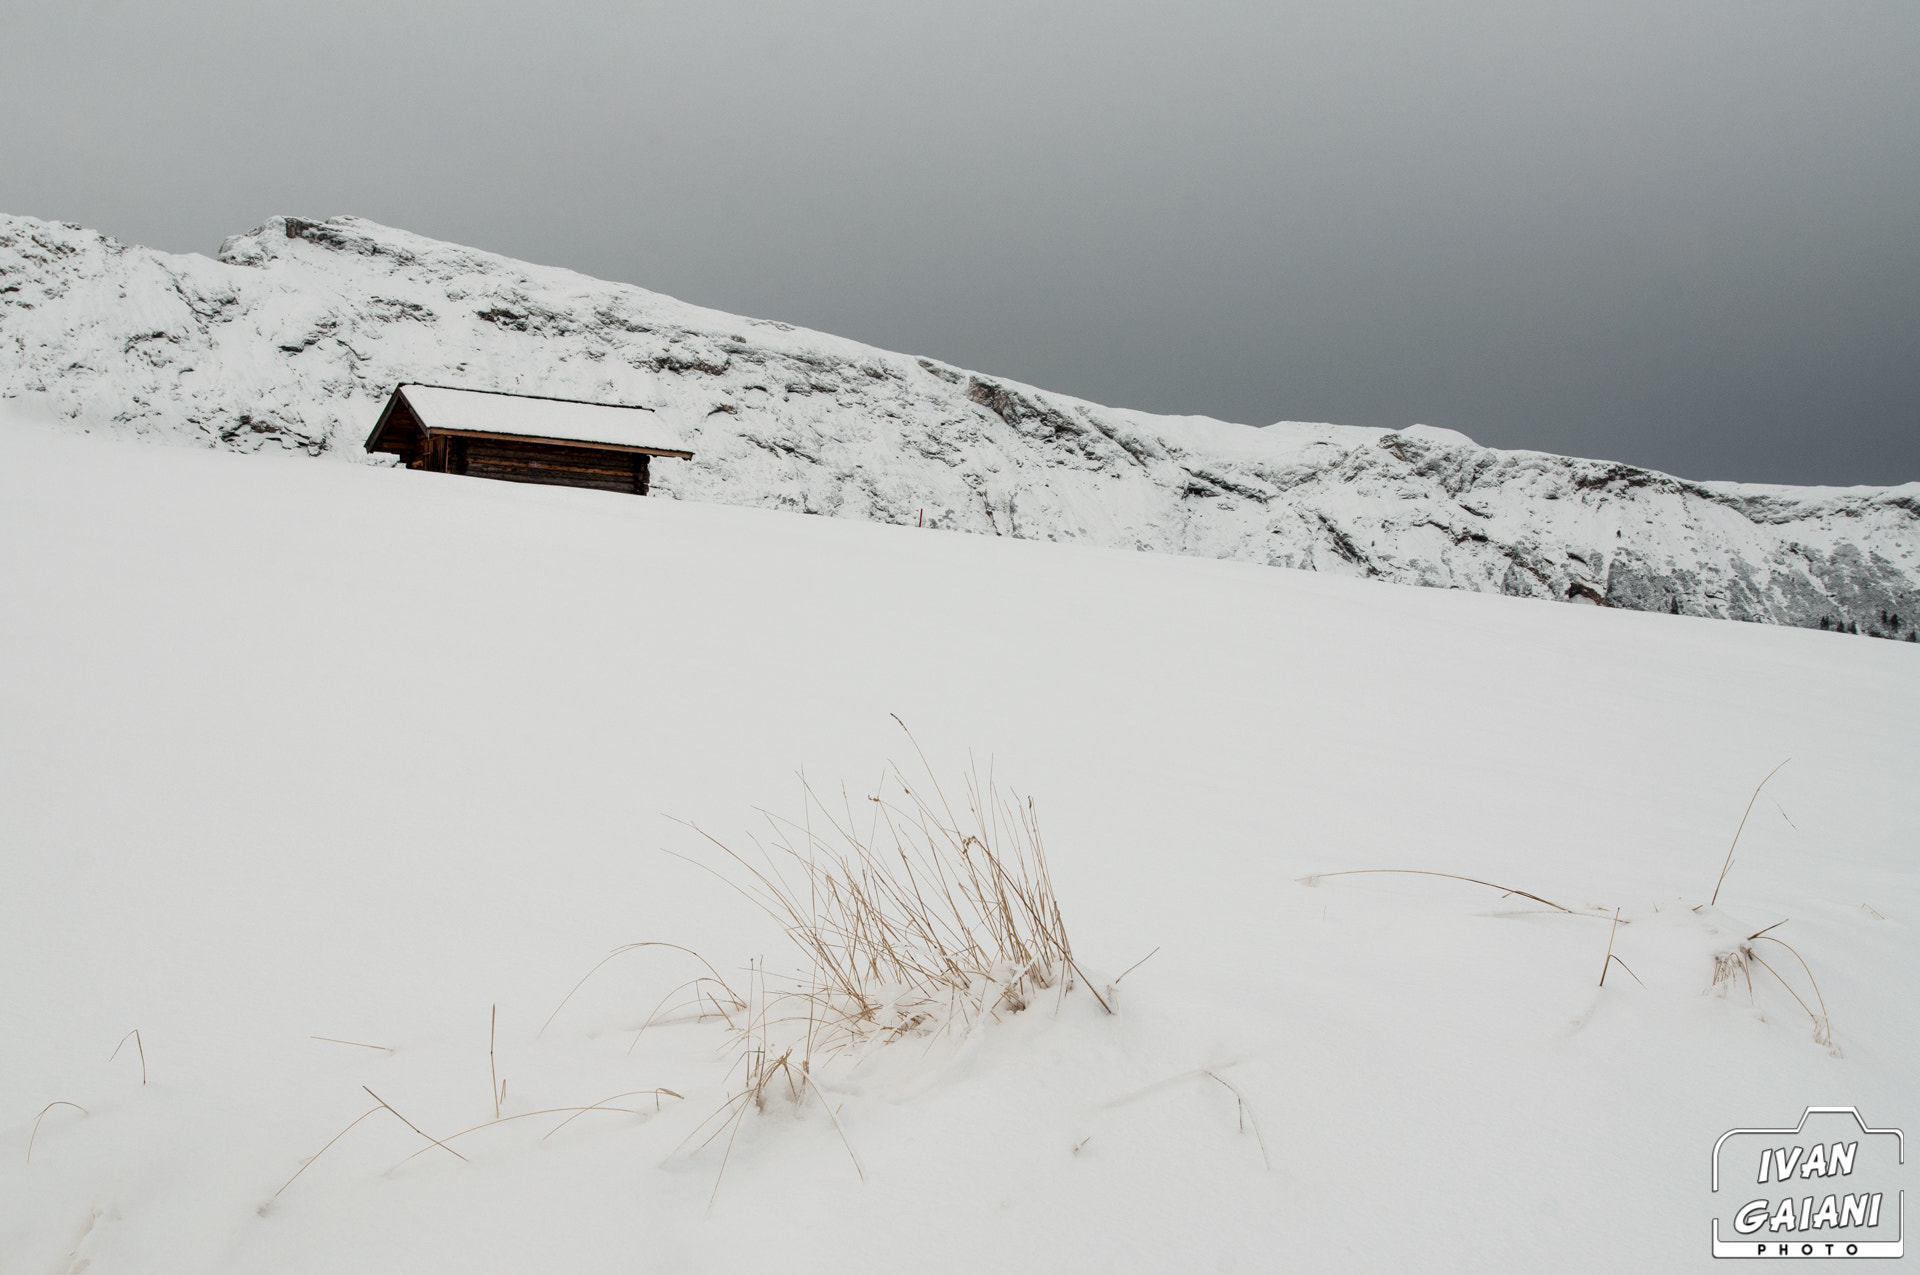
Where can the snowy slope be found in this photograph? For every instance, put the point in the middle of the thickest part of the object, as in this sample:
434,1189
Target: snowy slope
292,338
265,779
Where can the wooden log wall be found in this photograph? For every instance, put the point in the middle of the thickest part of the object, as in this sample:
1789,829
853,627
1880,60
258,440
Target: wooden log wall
551,464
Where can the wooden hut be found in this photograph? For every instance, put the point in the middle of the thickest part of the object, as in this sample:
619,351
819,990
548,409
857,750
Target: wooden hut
524,438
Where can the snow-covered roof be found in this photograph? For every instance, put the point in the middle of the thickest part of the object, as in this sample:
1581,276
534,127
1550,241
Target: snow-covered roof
526,416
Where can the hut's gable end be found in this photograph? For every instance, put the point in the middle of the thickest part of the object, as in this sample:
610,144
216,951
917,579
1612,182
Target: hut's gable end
399,433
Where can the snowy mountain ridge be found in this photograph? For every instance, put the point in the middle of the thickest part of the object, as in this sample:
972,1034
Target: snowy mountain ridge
293,337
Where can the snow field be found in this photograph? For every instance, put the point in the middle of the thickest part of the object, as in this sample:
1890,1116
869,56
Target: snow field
296,750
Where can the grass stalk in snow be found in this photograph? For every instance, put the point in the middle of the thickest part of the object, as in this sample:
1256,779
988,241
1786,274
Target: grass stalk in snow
569,1112
308,1162
442,1142
1611,959
1742,828
1422,872
654,1019
1136,965
1113,988
1246,1115
58,1102
602,1106
334,1040
135,1034
416,1128
1244,1109
619,951
1740,960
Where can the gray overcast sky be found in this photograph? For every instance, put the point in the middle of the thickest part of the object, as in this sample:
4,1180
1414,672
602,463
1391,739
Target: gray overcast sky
1684,235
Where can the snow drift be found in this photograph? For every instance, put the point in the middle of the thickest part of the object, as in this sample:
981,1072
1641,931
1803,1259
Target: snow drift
292,337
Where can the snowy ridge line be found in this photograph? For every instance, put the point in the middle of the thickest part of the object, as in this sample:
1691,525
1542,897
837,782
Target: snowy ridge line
294,335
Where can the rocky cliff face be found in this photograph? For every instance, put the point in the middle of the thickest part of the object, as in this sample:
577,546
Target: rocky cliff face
294,336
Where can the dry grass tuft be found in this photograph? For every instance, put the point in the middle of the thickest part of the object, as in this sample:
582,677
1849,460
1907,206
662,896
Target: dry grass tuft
912,917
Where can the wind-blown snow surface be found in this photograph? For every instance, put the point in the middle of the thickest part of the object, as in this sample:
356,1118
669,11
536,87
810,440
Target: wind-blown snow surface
292,750
295,335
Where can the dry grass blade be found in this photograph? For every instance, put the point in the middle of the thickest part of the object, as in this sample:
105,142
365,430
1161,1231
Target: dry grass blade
1823,1023
1246,1111
602,1106
1742,956
1613,960
551,1111
1136,965
493,1073
416,1128
618,951
43,1115
308,1162
723,1108
857,1168
1245,1108
334,1040
1451,876
1623,965
1737,831
725,1156
1822,1030
654,1019
135,1034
